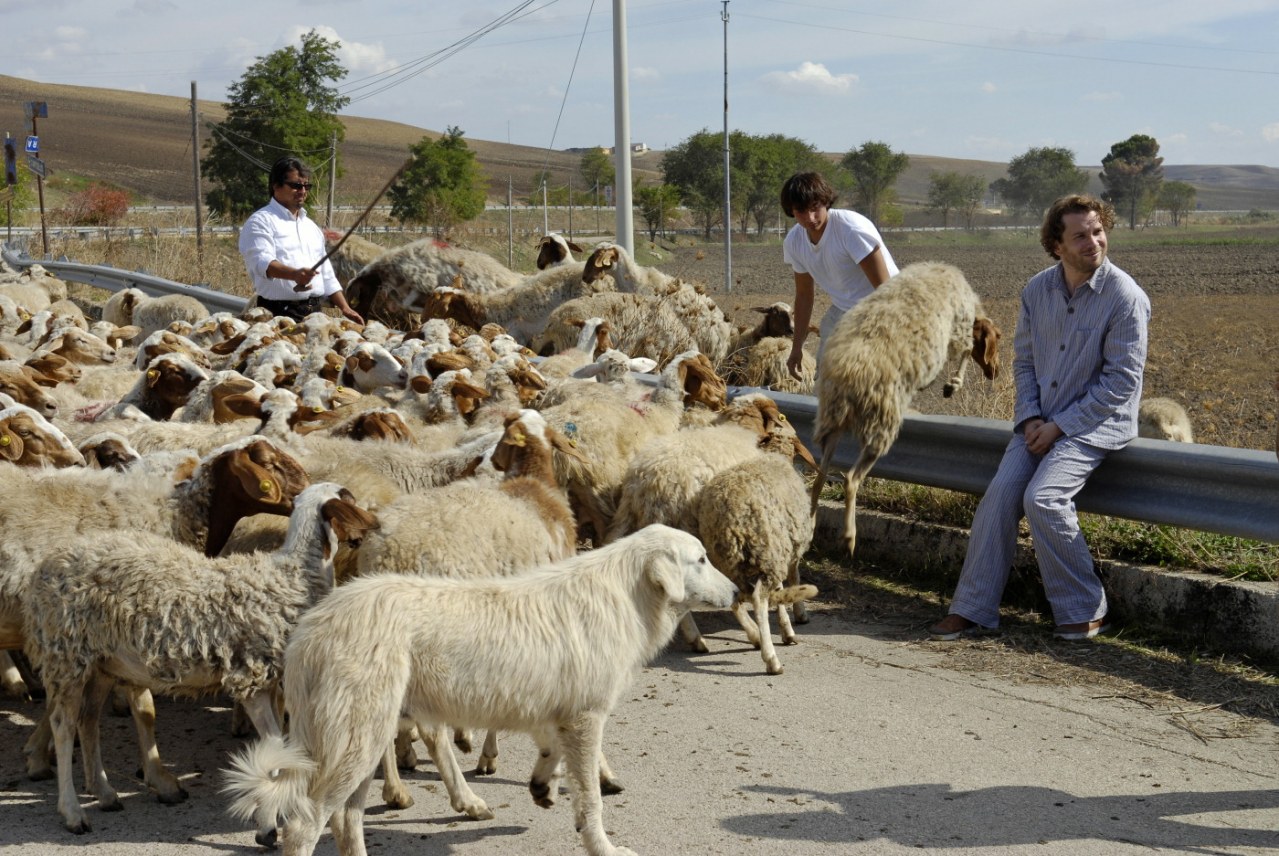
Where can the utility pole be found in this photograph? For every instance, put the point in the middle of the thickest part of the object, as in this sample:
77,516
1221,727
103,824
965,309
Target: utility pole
622,133
545,225
333,176
728,196
570,206
510,225
195,169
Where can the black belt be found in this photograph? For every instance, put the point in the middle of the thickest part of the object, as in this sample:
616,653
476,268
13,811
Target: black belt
295,309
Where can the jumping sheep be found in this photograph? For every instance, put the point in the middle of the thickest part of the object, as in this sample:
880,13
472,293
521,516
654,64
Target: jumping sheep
892,344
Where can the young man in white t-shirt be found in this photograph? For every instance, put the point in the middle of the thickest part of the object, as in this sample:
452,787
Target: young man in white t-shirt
839,250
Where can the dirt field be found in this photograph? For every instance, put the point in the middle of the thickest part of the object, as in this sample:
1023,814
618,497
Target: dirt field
1214,339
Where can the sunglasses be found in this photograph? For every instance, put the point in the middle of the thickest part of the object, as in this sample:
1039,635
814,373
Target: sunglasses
298,185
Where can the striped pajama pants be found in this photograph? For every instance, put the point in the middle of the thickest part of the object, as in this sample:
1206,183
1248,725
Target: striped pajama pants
1043,488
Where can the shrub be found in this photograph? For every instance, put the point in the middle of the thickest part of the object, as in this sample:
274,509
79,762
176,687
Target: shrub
97,205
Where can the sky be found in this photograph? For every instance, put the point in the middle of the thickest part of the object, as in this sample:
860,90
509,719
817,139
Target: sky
983,79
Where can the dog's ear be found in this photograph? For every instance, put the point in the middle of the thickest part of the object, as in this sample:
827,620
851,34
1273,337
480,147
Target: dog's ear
667,573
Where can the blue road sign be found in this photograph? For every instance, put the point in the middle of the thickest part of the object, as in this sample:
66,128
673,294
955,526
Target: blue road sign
33,145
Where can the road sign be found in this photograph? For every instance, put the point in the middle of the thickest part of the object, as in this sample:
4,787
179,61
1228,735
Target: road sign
33,145
37,166
38,109
6,194
10,160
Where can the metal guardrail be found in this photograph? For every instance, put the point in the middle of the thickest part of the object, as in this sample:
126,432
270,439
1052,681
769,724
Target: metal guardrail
1208,488
114,279
1194,486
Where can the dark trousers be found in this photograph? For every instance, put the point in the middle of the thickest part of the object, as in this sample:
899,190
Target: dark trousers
295,309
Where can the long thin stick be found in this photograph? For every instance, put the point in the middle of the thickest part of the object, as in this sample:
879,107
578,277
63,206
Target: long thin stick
358,221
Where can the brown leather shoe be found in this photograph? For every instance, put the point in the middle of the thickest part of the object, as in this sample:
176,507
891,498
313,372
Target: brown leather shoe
955,626
1082,630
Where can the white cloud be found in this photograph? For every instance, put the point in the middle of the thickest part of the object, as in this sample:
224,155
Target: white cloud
356,57
1224,130
1103,96
70,34
1270,133
149,8
989,87
811,77
1175,139
645,73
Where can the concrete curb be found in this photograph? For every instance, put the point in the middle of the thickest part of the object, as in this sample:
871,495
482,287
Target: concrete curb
1226,616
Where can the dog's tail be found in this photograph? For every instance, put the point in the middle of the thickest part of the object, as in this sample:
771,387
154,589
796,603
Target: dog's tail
268,780
792,594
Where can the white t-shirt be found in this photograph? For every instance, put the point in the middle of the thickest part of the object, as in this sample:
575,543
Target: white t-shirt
272,233
833,262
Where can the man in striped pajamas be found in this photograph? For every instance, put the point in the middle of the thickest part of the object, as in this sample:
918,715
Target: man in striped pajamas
1079,353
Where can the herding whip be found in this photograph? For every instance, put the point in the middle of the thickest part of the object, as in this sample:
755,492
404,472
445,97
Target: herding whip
358,221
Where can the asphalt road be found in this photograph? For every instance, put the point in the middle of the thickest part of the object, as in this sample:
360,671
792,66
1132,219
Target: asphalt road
872,742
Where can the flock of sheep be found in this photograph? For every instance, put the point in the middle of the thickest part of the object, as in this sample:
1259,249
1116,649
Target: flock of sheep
480,521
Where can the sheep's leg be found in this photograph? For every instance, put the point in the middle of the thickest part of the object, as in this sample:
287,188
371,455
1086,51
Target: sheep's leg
461,797
486,764
581,742
302,832
748,624
609,783
544,784
394,793
760,598
260,709
97,690
241,722
405,756
784,626
64,702
11,678
957,352
462,740
801,608
348,822
852,484
154,773
692,634
37,750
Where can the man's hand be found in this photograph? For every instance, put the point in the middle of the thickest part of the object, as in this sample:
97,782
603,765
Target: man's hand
795,362
1041,435
353,315
303,277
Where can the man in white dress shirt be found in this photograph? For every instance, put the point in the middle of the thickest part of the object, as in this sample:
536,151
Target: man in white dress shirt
281,246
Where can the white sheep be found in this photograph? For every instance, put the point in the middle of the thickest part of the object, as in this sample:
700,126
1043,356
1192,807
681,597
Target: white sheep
555,249
402,274
893,343
27,439
609,431
754,520
19,385
138,608
639,324
758,355
1164,419
157,313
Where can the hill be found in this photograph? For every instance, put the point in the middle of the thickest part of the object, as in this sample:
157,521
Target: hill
142,142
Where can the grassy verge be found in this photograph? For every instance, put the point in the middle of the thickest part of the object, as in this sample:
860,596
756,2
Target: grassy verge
1110,537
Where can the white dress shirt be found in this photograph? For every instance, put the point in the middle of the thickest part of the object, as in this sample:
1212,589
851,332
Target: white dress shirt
272,233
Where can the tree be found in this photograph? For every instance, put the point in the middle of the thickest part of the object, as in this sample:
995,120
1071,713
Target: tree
761,165
597,169
24,197
1178,199
696,168
1038,178
656,202
953,191
443,186
874,169
281,106
1132,174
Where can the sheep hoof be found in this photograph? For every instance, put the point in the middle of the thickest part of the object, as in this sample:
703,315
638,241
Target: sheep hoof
800,613
40,774
462,741
948,390
173,797
79,827
486,766
266,838
774,666
112,804
397,797
699,646
608,787
406,760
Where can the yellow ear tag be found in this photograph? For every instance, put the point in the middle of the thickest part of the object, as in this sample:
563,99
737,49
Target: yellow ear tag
152,374
317,409
24,316
266,485
781,417
341,389
517,438
4,441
